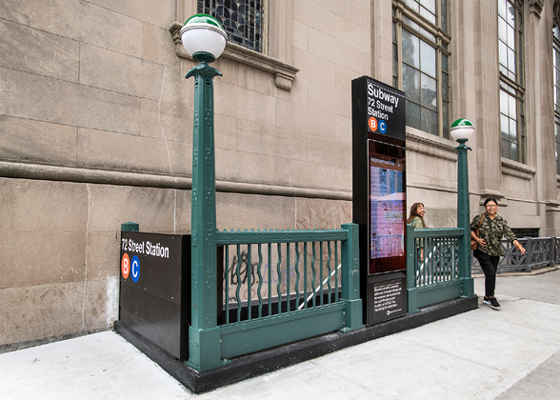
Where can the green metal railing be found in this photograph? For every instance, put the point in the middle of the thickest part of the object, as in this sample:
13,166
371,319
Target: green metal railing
434,270
284,286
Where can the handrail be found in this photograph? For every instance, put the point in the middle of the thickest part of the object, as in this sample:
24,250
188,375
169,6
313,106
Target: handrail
279,236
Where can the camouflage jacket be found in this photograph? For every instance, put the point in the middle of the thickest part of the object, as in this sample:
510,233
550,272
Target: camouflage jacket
492,231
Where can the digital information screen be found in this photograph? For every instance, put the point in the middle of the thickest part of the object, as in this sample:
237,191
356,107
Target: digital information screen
387,206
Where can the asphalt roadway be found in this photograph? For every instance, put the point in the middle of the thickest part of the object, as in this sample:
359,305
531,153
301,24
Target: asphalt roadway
513,353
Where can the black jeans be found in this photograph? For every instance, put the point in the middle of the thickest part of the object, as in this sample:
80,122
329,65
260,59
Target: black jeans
489,265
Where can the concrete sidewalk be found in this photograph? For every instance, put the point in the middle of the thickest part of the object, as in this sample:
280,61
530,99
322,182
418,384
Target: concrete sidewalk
513,353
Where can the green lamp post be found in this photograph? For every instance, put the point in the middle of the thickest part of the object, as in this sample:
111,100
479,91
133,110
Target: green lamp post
204,39
461,130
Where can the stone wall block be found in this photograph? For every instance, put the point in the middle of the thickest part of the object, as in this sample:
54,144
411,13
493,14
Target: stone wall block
244,104
158,46
103,255
358,12
180,155
169,120
343,180
322,44
299,92
42,206
111,206
38,52
229,69
351,33
226,132
160,13
358,60
80,21
38,258
300,35
256,138
241,211
343,129
314,68
327,98
317,176
237,166
330,152
125,37
114,71
314,15
101,307
38,312
51,100
176,89
110,150
292,116
322,214
33,141
61,17
182,211
257,80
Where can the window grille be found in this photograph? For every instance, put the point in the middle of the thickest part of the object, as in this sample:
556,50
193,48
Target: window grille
421,63
526,232
242,20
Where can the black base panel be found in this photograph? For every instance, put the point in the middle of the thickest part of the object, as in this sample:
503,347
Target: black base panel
260,363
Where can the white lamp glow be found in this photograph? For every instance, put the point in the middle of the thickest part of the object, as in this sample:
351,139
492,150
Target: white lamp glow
203,34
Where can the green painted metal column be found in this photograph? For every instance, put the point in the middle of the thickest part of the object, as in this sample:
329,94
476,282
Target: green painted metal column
204,333
463,218
411,279
351,278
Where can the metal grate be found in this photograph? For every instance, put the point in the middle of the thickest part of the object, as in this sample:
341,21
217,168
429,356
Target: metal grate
242,20
439,260
274,278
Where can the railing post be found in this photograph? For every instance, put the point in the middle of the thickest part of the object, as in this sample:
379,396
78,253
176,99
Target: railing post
351,278
551,252
529,254
412,298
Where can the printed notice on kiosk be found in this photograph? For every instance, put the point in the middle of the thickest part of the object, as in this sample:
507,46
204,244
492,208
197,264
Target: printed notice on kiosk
388,297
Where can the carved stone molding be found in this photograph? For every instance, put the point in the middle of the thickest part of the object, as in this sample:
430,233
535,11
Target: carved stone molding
284,74
536,7
517,170
139,179
429,147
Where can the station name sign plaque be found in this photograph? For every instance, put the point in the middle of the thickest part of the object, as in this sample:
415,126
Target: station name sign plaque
385,111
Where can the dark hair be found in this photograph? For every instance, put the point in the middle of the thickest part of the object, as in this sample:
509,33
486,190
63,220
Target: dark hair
414,213
489,199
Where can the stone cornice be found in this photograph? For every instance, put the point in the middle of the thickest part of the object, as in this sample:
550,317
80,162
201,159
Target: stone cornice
284,74
431,147
517,170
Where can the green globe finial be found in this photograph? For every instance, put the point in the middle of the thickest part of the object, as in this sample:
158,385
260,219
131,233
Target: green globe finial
461,129
461,123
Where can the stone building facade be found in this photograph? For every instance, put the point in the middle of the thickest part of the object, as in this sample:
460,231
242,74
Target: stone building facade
96,129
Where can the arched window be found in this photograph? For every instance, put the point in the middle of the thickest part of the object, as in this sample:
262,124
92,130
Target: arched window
421,62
